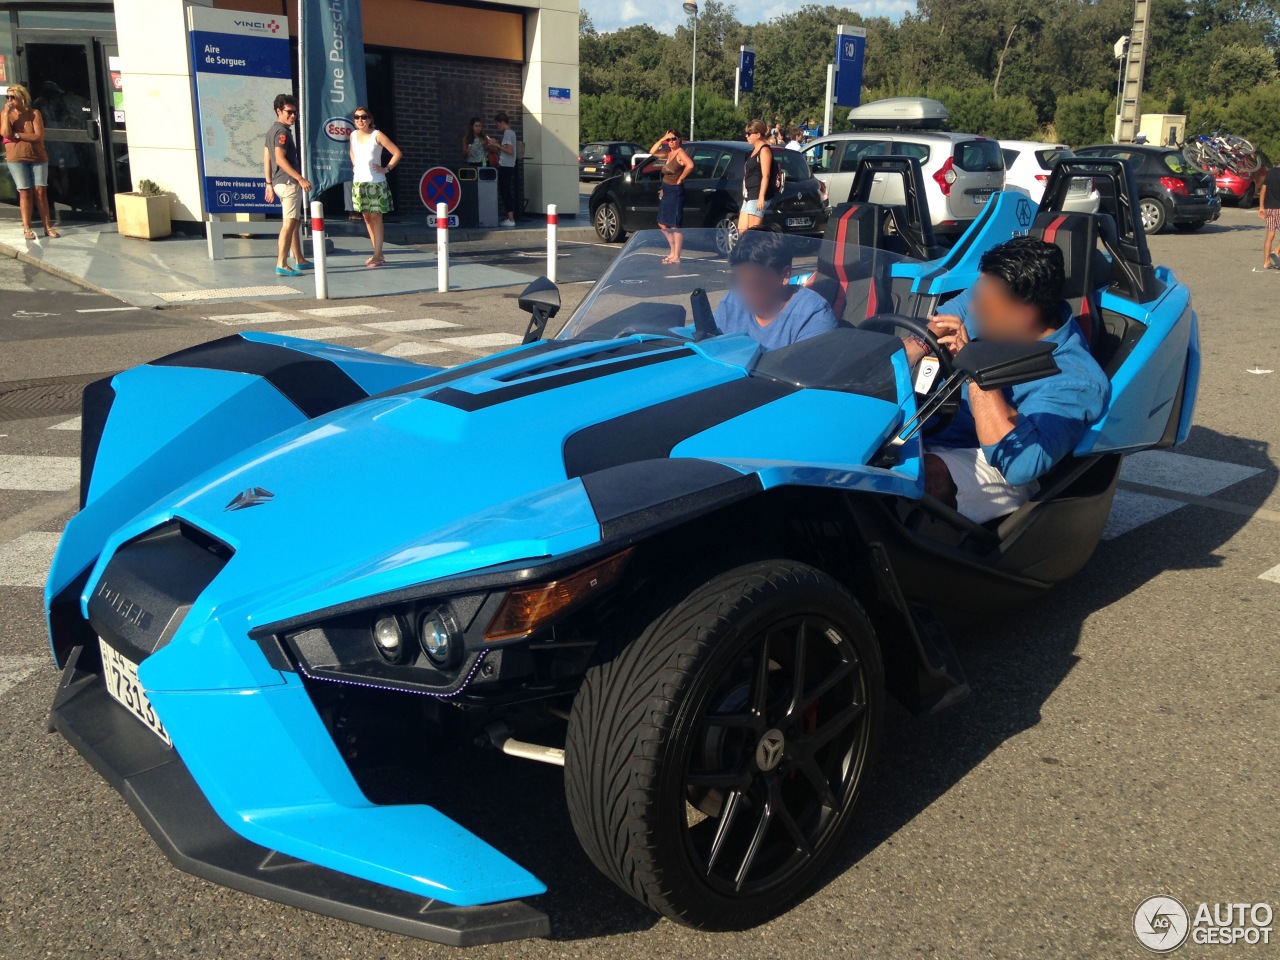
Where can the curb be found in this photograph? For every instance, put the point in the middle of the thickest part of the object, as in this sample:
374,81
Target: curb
22,257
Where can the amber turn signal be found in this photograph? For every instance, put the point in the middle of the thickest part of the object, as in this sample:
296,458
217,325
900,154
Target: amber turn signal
525,609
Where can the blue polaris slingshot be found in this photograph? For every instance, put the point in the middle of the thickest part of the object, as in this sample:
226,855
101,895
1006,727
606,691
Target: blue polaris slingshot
689,571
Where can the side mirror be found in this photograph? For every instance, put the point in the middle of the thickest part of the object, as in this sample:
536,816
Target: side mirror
993,365
541,300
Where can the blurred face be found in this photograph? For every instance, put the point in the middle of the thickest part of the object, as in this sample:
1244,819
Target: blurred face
760,289
1000,315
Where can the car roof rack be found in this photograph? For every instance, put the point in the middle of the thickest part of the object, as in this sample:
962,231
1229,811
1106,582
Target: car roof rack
899,113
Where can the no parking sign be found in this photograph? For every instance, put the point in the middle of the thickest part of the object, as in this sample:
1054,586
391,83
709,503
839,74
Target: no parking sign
439,185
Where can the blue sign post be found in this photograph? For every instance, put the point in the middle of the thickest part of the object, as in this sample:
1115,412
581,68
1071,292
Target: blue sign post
332,55
851,48
746,70
240,62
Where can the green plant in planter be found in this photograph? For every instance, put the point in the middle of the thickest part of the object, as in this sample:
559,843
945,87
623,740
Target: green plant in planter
149,188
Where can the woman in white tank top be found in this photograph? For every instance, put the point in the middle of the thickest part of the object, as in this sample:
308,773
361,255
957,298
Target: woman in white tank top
370,194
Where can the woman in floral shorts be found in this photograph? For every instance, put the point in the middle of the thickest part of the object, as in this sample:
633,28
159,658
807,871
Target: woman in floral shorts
370,194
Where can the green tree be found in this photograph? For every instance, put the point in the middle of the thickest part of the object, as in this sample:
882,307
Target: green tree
1084,118
1240,66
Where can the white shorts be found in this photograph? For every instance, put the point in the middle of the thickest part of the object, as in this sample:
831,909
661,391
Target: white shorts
982,492
289,196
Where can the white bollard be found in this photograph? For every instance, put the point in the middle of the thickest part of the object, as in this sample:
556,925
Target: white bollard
552,227
442,246
317,250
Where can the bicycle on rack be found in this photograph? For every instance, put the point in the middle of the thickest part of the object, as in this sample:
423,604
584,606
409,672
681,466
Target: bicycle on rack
1217,151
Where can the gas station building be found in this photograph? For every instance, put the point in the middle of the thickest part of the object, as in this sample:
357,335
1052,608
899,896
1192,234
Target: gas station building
116,81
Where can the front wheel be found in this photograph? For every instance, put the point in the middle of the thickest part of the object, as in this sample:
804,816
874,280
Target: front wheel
727,233
1153,215
608,222
1249,198
713,762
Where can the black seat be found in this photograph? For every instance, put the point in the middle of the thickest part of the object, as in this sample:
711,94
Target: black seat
849,275
1087,267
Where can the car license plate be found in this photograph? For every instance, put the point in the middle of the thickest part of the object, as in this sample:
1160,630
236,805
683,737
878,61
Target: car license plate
1200,192
799,221
121,676
981,198
588,169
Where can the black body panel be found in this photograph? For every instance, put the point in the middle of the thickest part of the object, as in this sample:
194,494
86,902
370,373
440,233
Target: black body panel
155,782
646,494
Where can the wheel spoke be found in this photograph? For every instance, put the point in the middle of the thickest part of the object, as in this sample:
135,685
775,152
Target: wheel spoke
799,666
728,814
760,684
827,684
831,728
719,779
753,848
779,808
821,785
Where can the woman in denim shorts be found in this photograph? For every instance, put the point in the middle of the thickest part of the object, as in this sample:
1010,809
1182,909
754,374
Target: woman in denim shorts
22,128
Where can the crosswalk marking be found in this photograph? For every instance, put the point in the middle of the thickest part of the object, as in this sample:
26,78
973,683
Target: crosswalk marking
1273,574
38,473
347,310
483,340
409,326
326,333
13,670
1183,473
414,349
244,319
25,560
1131,510
72,424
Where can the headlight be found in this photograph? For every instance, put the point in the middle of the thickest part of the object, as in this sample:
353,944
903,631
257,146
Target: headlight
438,634
388,637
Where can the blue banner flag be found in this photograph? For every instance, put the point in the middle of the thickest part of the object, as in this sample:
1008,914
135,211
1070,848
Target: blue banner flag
332,54
746,70
851,48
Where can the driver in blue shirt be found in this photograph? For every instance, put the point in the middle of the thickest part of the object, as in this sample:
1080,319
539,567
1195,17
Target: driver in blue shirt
762,302
989,461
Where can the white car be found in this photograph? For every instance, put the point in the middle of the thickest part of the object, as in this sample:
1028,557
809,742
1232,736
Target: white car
1027,167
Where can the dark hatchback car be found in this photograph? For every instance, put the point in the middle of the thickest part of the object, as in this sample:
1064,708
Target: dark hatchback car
600,161
713,195
1171,189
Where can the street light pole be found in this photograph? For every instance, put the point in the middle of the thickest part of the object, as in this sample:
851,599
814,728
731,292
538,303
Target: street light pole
691,8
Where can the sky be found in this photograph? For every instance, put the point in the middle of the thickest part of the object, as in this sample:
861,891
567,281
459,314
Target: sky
665,15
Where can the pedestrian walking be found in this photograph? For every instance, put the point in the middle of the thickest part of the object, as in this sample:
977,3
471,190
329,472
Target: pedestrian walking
1269,211
507,168
286,184
757,177
475,144
370,193
22,127
675,171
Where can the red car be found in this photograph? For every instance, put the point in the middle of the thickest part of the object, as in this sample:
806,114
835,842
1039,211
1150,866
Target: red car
1237,189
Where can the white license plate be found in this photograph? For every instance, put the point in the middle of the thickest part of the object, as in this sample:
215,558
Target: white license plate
799,221
588,169
121,676
981,198
1200,192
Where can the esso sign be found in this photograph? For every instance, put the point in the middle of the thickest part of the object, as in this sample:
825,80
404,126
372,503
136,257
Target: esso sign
338,129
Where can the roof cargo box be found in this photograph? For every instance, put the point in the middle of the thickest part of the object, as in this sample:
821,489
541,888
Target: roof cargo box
912,113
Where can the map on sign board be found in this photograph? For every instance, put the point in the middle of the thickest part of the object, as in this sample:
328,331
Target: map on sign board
233,123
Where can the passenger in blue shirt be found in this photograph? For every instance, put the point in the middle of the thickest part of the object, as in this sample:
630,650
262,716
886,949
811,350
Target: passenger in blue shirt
762,303
989,461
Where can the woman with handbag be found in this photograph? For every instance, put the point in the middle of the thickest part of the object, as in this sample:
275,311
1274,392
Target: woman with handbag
758,176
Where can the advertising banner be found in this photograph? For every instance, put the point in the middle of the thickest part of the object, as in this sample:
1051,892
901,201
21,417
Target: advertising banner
333,86
240,62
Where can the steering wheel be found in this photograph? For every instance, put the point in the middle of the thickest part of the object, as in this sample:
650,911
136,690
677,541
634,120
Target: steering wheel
891,323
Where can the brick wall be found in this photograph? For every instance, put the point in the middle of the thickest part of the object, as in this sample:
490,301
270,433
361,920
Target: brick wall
435,95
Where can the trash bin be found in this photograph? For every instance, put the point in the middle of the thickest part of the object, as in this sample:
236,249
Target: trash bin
487,196
468,209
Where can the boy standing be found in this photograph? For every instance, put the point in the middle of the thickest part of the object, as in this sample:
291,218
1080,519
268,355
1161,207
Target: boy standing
286,183
1269,211
507,169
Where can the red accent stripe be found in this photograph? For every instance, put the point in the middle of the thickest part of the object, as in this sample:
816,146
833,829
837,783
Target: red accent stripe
1051,231
842,232
553,219
317,224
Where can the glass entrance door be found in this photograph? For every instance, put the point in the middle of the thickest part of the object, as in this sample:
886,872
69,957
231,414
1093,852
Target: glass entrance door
64,79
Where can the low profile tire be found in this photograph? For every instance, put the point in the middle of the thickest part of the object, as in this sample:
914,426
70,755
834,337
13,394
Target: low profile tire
1153,215
608,222
713,763
727,233
1249,198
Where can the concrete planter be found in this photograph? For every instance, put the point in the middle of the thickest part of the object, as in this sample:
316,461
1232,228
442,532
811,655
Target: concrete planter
145,218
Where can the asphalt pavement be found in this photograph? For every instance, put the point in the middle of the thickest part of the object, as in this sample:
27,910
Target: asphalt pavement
1120,741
